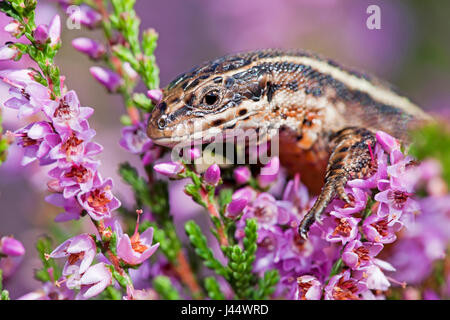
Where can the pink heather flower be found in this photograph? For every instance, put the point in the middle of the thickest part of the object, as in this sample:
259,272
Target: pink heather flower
387,142
169,169
246,192
76,177
99,202
308,288
134,139
343,287
79,250
340,228
394,202
96,279
111,80
72,209
155,95
86,16
129,71
357,255
8,52
373,276
54,30
14,28
358,198
266,210
296,193
380,229
11,247
242,175
235,208
41,34
37,139
269,241
67,113
49,291
29,99
138,248
430,294
75,146
90,47
269,172
212,175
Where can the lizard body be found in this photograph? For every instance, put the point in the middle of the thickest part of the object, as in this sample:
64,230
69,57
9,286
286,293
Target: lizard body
326,114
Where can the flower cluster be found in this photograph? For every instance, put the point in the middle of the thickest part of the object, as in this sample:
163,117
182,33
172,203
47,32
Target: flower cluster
63,138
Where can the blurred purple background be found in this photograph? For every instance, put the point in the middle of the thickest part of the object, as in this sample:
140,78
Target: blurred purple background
411,50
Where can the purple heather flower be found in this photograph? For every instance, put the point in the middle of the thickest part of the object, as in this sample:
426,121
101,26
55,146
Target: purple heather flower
29,99
8,52
41,34
343,287
394,202
11,247
296,193
79,250
94,281
54,30
111,80
72,209
134,139
191,154
235,208
99,201
155,95
357,255
90,47
268,247
265,209
86,16
75,146
242,175
359,201
76,177
67,113
380,229
246,192
388,143
169,169
308,288
340,228
269,172
37,139
373,276
430,294
138,248
212,175
49,291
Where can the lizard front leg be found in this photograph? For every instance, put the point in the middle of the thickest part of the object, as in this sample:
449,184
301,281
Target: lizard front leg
350,158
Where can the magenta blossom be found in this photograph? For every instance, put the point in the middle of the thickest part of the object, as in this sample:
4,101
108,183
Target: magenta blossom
357,254
37,139
79,250
72,209
90,47
138,248
212,175
94,281
134,139
343,287
111,80
340,228
308,288
269,173
11,247
378,229
242,175
99,201
169,169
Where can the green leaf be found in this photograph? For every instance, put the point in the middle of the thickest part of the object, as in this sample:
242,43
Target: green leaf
164,287
213,289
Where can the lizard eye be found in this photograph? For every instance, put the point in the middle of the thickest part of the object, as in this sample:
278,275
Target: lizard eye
211,98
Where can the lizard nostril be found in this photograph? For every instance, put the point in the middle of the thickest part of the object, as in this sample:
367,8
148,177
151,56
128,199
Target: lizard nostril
162,122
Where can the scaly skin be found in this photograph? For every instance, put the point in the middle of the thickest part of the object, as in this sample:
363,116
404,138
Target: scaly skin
326,115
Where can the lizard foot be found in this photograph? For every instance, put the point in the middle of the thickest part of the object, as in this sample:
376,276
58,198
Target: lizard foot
350,158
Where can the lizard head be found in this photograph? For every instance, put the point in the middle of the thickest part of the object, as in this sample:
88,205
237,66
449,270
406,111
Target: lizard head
213,99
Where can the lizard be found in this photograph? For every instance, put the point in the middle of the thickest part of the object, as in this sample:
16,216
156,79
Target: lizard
327,114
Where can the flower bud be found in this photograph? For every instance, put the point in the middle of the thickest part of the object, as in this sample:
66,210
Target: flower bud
242,175
11,247
155,95
54,30
14,28
235,208
41,34
169,169
269,172
8,52
111,80
212,175
89,47
192,154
